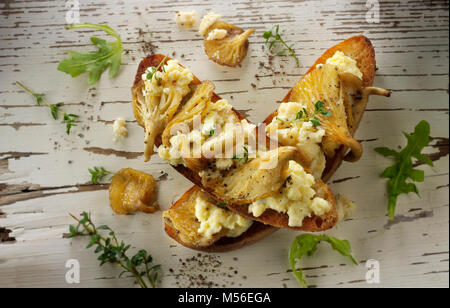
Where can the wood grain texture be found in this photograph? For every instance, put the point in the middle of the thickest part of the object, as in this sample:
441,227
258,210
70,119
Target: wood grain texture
43,172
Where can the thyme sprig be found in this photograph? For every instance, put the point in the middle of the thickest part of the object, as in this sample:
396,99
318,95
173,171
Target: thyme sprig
244,156
112,251
304,116
152,70
273,37
68,118
98,173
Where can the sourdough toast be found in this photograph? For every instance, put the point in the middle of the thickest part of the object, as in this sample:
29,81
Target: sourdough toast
361,50
184,206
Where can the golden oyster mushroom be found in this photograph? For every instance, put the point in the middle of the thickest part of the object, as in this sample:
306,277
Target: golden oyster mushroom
229,50
131,191
257,179
153,111
197,105
341,93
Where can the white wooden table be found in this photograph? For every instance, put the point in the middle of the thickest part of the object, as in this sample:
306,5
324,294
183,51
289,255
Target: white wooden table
43,172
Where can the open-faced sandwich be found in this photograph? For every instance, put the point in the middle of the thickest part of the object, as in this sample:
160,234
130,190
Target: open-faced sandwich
319,116
199,222
279,185
249,173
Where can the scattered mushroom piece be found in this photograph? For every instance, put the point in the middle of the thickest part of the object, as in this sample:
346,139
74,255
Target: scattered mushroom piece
224,43
131,191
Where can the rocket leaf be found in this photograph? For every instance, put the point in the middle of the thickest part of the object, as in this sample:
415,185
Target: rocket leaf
306,244
109,54
403,168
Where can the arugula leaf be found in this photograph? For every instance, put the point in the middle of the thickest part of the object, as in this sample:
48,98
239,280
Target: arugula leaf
95,63
403,168
306,244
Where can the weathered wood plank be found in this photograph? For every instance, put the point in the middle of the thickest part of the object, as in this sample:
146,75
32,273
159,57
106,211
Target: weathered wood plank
43,172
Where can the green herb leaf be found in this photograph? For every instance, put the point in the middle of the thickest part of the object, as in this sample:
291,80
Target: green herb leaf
244,157
109,54
69,118
315,121
54,110
306,244
39,97
140,265
402,170
273,37
152,70
303,115
97,174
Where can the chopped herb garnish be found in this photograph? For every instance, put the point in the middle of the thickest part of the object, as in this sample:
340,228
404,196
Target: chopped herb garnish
98,173
306,244
403,168
115,252
211,132
303,115
68,118
243,157
273,37
152,70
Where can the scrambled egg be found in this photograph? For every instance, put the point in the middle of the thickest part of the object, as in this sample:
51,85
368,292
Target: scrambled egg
186,19
207,21
120,128
297,199
301,134
345,64
216,34
219,126
214,219
175,77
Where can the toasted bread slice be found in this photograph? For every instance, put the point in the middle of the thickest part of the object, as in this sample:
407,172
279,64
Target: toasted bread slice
361,50
256,232
182,226
279,220
154,61
310,224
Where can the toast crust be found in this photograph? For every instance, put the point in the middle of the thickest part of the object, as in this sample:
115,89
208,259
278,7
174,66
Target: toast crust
256,232
310,224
